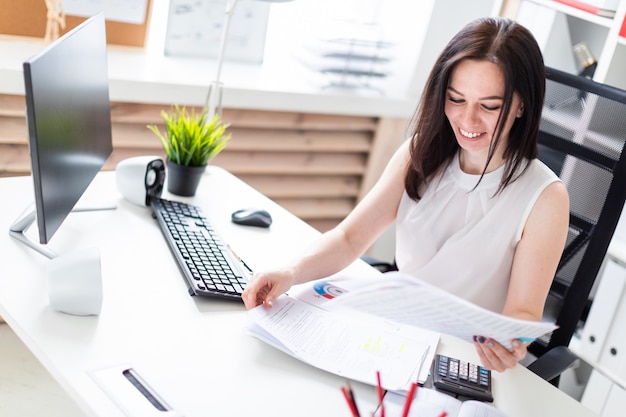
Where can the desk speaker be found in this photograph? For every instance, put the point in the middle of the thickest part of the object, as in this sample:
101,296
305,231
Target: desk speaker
140,178
75,283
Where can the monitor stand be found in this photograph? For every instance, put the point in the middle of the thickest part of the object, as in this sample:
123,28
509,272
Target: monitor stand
21,225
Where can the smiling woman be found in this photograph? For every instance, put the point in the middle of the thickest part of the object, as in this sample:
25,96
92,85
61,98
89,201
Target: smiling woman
477,214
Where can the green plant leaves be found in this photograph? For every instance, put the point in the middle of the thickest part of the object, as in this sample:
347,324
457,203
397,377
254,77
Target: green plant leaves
190,139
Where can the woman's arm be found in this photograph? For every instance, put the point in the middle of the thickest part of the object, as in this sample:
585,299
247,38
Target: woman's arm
534,265
337,248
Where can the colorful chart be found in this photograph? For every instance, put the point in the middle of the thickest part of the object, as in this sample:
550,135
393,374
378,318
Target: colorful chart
328,290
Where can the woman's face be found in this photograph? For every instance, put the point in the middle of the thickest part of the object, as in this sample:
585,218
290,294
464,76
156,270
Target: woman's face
474,100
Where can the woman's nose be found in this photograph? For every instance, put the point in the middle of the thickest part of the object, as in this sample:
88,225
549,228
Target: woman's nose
470,116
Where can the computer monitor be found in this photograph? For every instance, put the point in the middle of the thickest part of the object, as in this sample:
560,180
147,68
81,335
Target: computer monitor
69,120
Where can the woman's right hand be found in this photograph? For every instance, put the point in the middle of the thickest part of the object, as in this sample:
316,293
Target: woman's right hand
265,287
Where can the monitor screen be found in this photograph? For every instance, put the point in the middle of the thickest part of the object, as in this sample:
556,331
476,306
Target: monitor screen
69,120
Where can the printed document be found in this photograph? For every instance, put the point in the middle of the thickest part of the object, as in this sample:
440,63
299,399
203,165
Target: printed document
343,344
412,302
355,326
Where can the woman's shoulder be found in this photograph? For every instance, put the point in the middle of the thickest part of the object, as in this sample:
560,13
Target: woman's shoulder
546,183
537,172
541,166
533,179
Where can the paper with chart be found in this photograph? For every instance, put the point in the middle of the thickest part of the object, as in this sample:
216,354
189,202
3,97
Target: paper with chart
412,302
343,345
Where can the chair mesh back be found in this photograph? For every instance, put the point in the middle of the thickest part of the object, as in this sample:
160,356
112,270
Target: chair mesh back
582,136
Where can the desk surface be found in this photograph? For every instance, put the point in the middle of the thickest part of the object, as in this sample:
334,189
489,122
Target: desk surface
195,352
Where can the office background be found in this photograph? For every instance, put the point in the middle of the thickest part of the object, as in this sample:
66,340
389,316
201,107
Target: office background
311,137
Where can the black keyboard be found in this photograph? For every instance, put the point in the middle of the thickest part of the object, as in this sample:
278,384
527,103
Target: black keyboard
204,259
464,378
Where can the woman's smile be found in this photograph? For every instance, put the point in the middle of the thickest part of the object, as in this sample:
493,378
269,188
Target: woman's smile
470,135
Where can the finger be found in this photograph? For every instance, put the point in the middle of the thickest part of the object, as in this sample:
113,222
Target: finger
486,357
272,292
520,349
249,298
493,355
268,289
484,360
505,358
254,293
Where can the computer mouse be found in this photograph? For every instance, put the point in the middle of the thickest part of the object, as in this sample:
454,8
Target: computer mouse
252,217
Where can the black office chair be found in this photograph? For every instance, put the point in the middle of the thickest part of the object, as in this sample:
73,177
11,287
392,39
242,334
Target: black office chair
582,137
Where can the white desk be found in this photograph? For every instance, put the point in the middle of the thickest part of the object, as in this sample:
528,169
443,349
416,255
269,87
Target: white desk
195,352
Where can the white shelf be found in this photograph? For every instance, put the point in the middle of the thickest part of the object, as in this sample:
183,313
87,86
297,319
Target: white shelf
559,27
138,76
572,11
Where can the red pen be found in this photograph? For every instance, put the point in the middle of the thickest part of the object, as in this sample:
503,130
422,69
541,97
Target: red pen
380,395
409,399
443,414
350,400
353,398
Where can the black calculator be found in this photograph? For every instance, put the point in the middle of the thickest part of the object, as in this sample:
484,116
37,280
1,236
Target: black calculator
463,378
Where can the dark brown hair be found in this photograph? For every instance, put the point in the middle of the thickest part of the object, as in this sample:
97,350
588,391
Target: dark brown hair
514,49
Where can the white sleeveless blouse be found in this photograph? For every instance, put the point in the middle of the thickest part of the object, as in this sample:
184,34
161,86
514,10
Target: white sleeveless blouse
463,239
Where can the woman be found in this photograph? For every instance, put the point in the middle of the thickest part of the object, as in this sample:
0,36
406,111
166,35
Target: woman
476,213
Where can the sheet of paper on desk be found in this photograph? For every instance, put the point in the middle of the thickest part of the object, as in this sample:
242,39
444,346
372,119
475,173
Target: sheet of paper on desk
412,302
343,345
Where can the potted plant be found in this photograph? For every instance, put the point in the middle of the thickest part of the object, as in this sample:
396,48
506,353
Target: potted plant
190,141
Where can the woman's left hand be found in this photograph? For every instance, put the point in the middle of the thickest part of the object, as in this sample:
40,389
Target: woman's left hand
495,356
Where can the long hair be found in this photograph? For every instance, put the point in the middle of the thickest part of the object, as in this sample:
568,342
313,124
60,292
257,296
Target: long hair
514,49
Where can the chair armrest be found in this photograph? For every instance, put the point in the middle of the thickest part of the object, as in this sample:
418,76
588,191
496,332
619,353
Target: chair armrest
382,266
554,362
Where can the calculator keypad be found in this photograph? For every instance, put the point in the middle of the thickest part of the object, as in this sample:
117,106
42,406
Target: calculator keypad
461,377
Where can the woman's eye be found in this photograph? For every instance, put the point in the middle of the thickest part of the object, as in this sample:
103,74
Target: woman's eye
491,108
456,100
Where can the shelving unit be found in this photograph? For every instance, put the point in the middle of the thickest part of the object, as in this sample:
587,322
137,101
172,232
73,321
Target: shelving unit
559,27
603,343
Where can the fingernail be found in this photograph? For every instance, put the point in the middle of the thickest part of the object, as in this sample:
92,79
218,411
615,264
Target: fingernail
475,338
490,344
516,343
269,303
481,339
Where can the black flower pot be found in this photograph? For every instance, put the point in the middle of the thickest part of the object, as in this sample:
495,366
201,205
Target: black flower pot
183,180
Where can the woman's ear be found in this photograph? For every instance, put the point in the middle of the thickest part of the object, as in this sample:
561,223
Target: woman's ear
520,111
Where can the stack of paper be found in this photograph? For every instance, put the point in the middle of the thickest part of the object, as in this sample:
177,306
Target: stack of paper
346,345
391,323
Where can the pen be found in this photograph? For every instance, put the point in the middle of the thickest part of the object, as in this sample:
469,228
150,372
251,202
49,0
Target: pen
353,398
409,399
380,394
239,259
350,400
